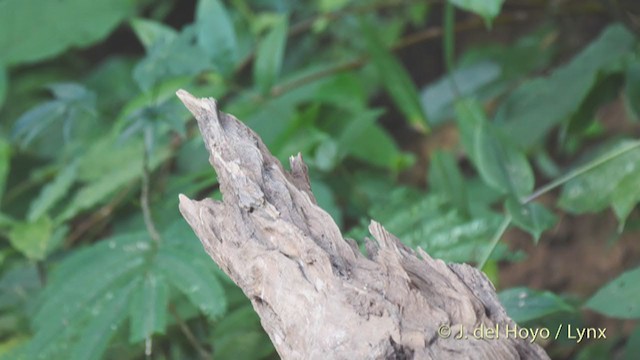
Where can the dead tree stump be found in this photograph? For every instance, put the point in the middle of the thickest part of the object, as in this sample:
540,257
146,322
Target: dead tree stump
317,296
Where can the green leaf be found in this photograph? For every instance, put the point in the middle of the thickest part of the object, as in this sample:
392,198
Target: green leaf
611,179
395,78
523,304
33,30
73,103
438,98
500,163
106,174
194,280
53,192
216,35
171,58
445,178
531,217
73,301
376,147
32,238
488,9
269,56
527,121
619,298
429,221
5,163
152,33
148,310
105,319
632,88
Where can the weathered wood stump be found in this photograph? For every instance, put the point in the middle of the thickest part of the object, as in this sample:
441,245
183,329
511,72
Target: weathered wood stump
317,295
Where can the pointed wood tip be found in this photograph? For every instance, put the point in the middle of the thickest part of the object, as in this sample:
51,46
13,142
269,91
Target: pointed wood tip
197,106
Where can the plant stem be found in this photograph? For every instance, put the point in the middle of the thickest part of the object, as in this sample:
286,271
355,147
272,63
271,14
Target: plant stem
191,338
495,240
579,171
144,199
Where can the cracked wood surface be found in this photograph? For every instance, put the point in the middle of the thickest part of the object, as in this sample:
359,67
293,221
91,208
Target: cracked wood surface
317,295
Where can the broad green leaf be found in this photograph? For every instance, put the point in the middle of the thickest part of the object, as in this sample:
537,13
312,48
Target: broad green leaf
36,120
5,163
33,30
533,109
531,217
352,135
376,147
148,309
488,9
269,56
523,304
446,179
605,89
32,238
395,78
106,174
470,118
195,281
73,103
216,35
152,33
611,180
626,197
73,298
53,192
619,298
105,319
632,88
429,221
500,163
438,99
170,59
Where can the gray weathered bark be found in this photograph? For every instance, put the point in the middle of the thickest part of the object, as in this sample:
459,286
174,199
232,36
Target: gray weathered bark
317,296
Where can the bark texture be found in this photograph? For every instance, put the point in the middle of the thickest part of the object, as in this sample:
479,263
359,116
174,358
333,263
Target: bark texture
317,296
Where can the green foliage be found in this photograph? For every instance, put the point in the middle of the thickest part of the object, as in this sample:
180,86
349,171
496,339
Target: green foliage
565,91
488,9
615,183
269,55
619,298
94,137
395,78
33,30
524,304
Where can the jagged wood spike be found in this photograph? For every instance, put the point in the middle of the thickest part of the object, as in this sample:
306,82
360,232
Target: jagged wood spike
317,296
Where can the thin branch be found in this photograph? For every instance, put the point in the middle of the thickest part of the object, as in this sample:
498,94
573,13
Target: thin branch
494,242
191,338
579,171
97,217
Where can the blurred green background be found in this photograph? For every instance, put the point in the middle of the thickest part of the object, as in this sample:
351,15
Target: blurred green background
498,133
